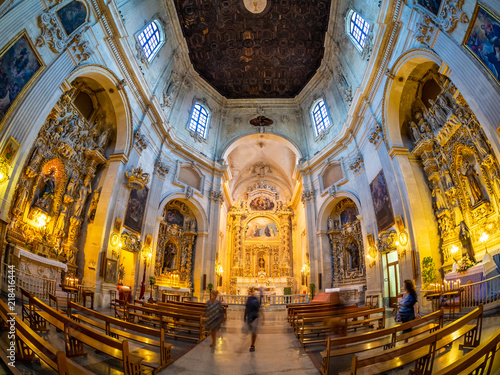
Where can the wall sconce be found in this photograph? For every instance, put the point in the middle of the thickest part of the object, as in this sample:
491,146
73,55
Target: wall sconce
454,250
305,270
372,256
4,171
219,270
484,238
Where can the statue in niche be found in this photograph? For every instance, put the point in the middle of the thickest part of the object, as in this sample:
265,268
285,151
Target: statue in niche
443,104
330,223
414,131
439,197
61,222
24,194
248,263
473,183
45,196
448,182
103,139
353,256
262,263
464,236
438,113
168,256
71,187
83,193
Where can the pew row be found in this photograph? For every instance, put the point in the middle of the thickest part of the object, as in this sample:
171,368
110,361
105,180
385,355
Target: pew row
384,338
177,325
421,351
128,331
77,334
29,346
315,330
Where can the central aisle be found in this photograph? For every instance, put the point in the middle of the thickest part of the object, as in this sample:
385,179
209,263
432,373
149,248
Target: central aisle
276,351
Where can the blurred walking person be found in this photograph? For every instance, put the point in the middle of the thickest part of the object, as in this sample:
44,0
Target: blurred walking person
215,315
252,314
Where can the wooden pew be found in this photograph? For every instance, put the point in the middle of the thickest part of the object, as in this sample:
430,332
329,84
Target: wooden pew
478,361
76,334
320,326
29,346
104,322
195,304
384,338
28,313
293,309
298,317
421,350
177,325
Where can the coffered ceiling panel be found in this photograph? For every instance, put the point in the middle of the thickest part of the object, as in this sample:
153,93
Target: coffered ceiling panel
255,49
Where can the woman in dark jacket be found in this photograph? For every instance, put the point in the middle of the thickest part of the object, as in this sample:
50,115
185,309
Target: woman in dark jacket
408,306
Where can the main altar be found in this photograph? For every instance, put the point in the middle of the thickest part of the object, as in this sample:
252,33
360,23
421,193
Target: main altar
261,248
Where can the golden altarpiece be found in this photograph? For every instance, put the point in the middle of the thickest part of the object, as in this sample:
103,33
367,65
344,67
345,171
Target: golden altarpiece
175,249
348,258
462,172
261,254
49,205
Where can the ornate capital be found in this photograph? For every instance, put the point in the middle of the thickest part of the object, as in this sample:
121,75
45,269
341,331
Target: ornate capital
425,30
216,196
357,164
376,134
451,14
140,141
308,195
161,168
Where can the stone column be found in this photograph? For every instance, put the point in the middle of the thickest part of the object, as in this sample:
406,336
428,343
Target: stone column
308,198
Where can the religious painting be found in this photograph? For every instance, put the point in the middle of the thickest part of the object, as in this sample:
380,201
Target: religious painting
483,40
352,260
381,202
45,192
348,215
262,228
431,5
72,16
148,241
117,225
175,217
9,151
110,275
169,254
19,66
262,204
135,209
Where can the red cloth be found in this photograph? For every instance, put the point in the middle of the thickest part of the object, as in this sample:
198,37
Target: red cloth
326,298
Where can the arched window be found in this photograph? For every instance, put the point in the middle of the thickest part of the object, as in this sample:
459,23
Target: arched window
358,30
151,39
320,117
199,120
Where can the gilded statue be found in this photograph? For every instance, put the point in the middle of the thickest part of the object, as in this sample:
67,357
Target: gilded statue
61,221
71,187
464,237
472,179
440,200
414,131
103,139
83,193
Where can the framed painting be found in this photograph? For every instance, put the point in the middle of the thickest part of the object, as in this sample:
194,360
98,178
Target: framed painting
9,151
430,5
135,209
20,65
175,217
262,228
72,16
482,40
381,202
262,204
111,270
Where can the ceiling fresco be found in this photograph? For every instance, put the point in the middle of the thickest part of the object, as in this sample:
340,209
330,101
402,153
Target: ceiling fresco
267,50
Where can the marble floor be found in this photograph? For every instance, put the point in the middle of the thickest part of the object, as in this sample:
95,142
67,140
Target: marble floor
277,351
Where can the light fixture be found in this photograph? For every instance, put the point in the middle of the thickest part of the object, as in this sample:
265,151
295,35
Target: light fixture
41,220
454,249
484,237
403,238
219,270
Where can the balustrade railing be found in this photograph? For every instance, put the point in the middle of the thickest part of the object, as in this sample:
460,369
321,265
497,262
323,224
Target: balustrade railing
290,299
486,292
40,287
232,300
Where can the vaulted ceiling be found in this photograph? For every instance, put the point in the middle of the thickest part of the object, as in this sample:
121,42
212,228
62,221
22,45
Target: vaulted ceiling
255,49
